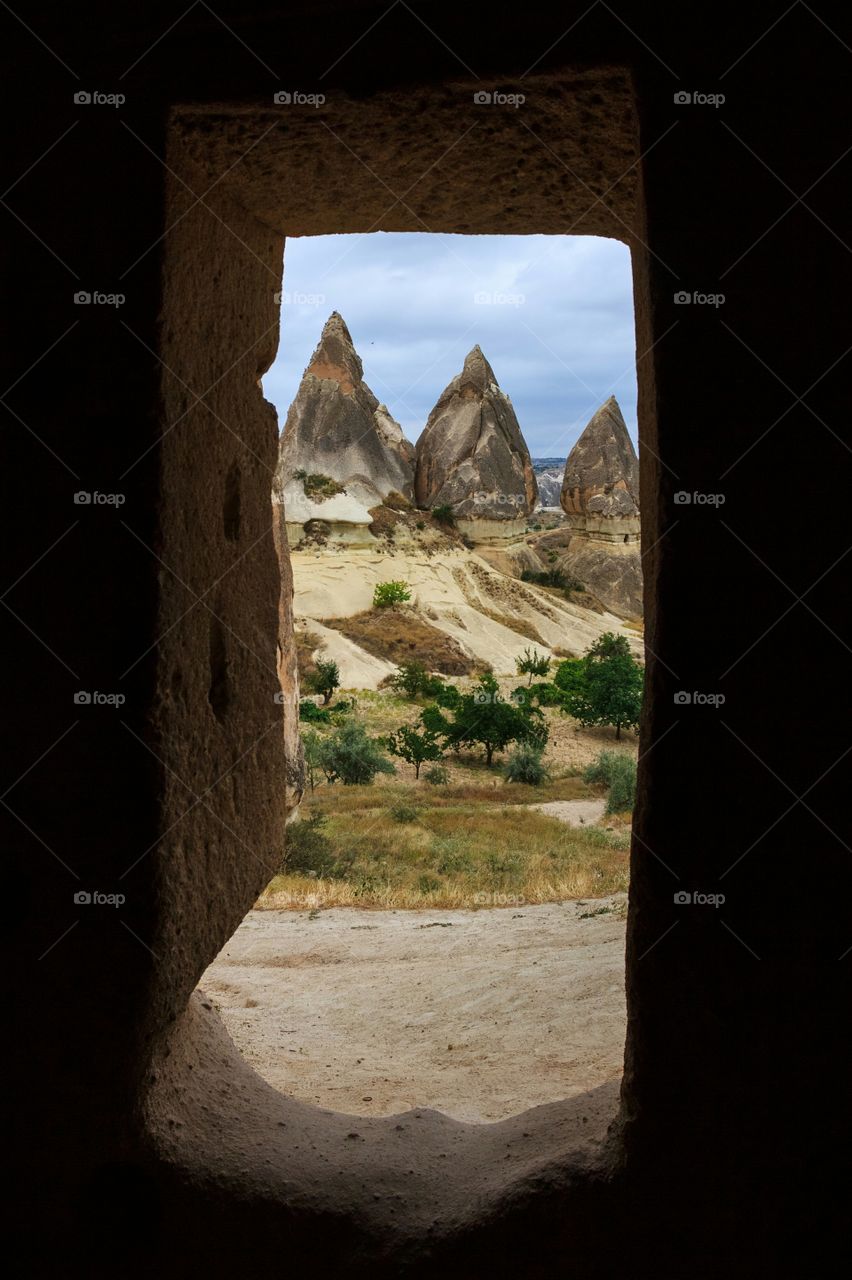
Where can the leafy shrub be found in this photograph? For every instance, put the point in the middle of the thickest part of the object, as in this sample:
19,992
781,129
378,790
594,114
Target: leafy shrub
544,577
526,765
413,679
317,486
324,679
310,712
450,860
437,776
403,812
390,594
617,772
352,757
502,865
307,850
346,707
428,884
444,514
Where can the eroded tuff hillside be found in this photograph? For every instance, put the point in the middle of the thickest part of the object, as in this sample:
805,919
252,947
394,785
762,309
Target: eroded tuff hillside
490,616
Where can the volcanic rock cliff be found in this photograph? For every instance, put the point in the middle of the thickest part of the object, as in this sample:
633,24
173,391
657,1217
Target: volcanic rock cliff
341,452
473,457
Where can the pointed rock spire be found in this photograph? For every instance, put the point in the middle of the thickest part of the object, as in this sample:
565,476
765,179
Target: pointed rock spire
600,496
336,428
602,470
335,358
472,455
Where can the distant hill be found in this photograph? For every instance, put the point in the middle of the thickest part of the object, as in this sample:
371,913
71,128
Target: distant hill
549,473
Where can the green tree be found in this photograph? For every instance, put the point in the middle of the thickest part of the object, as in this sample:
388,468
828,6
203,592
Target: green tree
324,679
352,757
544,694
413,679
608,689
570,675
312,747
532,663
390,594
415,746
483,716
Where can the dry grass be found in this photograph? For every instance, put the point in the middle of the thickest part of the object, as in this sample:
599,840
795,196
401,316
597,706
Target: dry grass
384,521
307,644
456,854
520,626
397,502
398,635
473,842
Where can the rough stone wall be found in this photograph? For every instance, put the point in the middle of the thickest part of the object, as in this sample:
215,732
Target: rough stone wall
729,1154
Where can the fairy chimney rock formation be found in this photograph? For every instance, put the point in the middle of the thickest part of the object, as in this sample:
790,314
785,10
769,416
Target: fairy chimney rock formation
600,496
472,457
600,488
336,429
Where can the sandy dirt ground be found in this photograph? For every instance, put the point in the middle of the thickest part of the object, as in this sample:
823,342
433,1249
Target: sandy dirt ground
478,1014
575,813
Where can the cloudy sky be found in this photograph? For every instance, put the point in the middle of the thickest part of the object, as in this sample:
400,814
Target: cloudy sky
553,315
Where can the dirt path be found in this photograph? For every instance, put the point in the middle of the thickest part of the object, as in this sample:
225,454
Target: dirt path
575,813
479,1014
